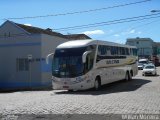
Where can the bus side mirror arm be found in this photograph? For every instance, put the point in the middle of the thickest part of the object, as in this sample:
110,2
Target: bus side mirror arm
47,57
85,55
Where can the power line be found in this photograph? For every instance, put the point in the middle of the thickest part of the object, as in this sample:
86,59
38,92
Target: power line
150,16
146,24
108,21
112,23
15,35
134,27
79,12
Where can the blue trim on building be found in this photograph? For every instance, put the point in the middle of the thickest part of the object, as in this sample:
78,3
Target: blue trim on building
20,44
46,67
23,85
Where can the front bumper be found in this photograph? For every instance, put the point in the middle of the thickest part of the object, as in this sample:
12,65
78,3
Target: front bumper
149,73
83,85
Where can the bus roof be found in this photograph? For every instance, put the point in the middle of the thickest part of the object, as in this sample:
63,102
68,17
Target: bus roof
83,43
100,42
76,43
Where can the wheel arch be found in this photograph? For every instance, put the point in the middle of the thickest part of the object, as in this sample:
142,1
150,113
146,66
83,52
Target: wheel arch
99,78
131,72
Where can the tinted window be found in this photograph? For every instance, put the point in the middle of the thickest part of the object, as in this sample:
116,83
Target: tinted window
149,67
67,63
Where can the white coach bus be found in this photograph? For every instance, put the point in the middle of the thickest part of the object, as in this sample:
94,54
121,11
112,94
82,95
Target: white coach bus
84,64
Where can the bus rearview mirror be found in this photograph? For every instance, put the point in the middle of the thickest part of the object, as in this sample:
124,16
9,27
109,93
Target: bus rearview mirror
48,56
85,55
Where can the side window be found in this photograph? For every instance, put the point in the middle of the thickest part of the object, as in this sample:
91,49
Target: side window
90,57
104,50
108,50
89,62
127,51
22,64
116,50
131,51
123,51
120,51
112,50
134,51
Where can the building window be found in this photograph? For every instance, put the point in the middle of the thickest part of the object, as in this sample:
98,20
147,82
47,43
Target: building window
22,64
5,34
137,42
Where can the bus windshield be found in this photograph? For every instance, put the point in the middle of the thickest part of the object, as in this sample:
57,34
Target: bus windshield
68,62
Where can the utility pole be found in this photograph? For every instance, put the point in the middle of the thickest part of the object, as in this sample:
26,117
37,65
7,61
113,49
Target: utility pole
30,61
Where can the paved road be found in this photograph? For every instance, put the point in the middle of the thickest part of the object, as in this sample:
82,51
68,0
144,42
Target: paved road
139,96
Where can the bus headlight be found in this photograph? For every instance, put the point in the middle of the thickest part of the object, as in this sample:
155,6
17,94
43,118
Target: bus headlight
86,77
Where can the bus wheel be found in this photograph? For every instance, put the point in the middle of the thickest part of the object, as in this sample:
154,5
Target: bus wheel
130,75
70,90
97,84
127,77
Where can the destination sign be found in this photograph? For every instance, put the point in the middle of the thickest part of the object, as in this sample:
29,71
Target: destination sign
112,61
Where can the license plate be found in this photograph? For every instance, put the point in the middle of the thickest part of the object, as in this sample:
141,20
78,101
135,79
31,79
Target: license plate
148,72
65,87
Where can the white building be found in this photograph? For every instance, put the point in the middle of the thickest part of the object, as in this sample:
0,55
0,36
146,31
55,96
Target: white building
145,46
17,42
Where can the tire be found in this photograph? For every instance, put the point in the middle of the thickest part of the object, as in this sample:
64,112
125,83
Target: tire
127,77
130,76
97,84
155,74
70,90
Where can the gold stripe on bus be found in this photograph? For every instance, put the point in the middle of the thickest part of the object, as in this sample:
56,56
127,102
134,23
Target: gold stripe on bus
118,65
